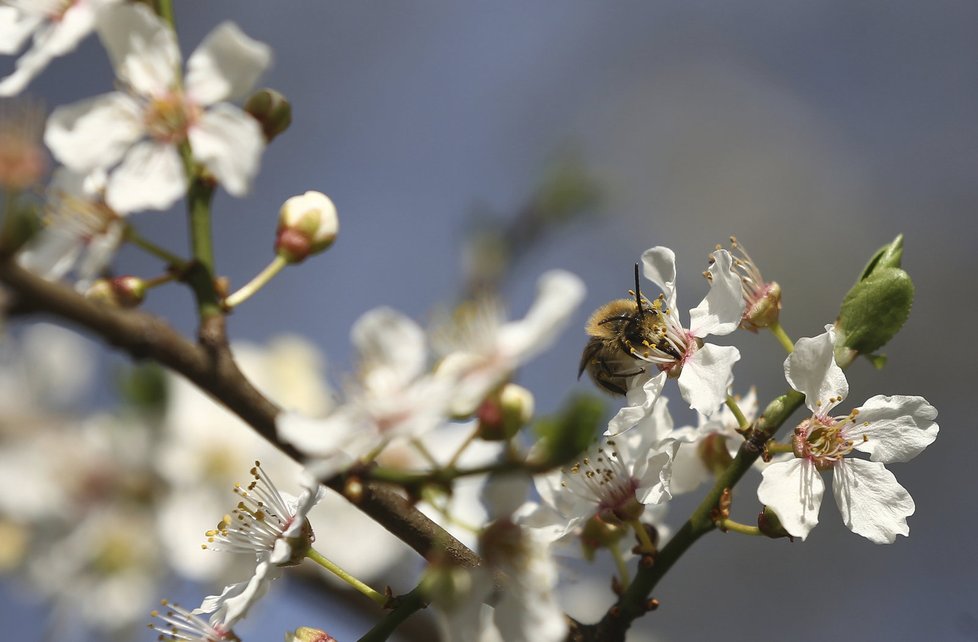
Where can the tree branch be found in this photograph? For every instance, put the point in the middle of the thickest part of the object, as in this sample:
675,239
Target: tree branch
210,365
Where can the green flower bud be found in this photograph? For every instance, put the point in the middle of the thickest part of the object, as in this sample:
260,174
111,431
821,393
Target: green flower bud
770,525
877,306
120,291
272,111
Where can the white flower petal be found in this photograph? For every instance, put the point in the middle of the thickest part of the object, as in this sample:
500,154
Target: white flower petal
94,133
659,266
871,501
101,251
235,601
143,49
721,310
318,437
793,490
15,27
707,376
229,143
225,65
558,294
811,370
392,348
53,253
654,484
149,177
643,391
688,469
898,427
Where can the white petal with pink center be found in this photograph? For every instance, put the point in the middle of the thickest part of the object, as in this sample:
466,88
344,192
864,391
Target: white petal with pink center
889,429
144,125
704,371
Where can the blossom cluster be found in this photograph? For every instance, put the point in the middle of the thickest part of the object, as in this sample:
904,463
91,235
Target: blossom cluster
437,412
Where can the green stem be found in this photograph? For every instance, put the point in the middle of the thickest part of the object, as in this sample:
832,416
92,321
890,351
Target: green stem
318,558
164,9
465,444
620,564
737,527
735,409
405,607
632,603
782,337
199,197
777,447
161,253
257,283
643,537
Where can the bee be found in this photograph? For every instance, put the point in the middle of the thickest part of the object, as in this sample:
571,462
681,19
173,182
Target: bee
621,333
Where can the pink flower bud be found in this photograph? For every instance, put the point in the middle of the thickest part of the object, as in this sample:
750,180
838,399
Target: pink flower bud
307,224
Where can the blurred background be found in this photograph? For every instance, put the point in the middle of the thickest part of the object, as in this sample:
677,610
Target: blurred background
814,131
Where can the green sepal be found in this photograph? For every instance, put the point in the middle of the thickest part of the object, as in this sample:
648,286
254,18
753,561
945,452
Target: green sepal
563,437
19,225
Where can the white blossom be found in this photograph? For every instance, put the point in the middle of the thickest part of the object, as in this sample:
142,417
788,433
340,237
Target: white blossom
268,524
181,625
57,26
81,233
482,350
888,429
393,396
703,371
136,133
613,480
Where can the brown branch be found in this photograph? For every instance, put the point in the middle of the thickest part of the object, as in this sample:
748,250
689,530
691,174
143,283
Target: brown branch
210,365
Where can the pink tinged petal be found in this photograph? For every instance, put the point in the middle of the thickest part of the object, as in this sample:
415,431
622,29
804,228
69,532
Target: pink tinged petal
94,133
707,376
899,427
225,65
150,177
229,143
811,370
793,490
142,48
392,348
559,293
15,27
721,310
871,501
640,399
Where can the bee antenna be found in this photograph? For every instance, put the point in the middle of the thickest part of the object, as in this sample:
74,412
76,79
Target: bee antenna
638,292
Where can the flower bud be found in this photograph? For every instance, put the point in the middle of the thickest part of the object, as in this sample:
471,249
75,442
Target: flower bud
308,634
502,414
770,525
712,451
446,585
120,291
307,224
272,111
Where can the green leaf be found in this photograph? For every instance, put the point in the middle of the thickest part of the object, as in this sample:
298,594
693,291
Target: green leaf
566,435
